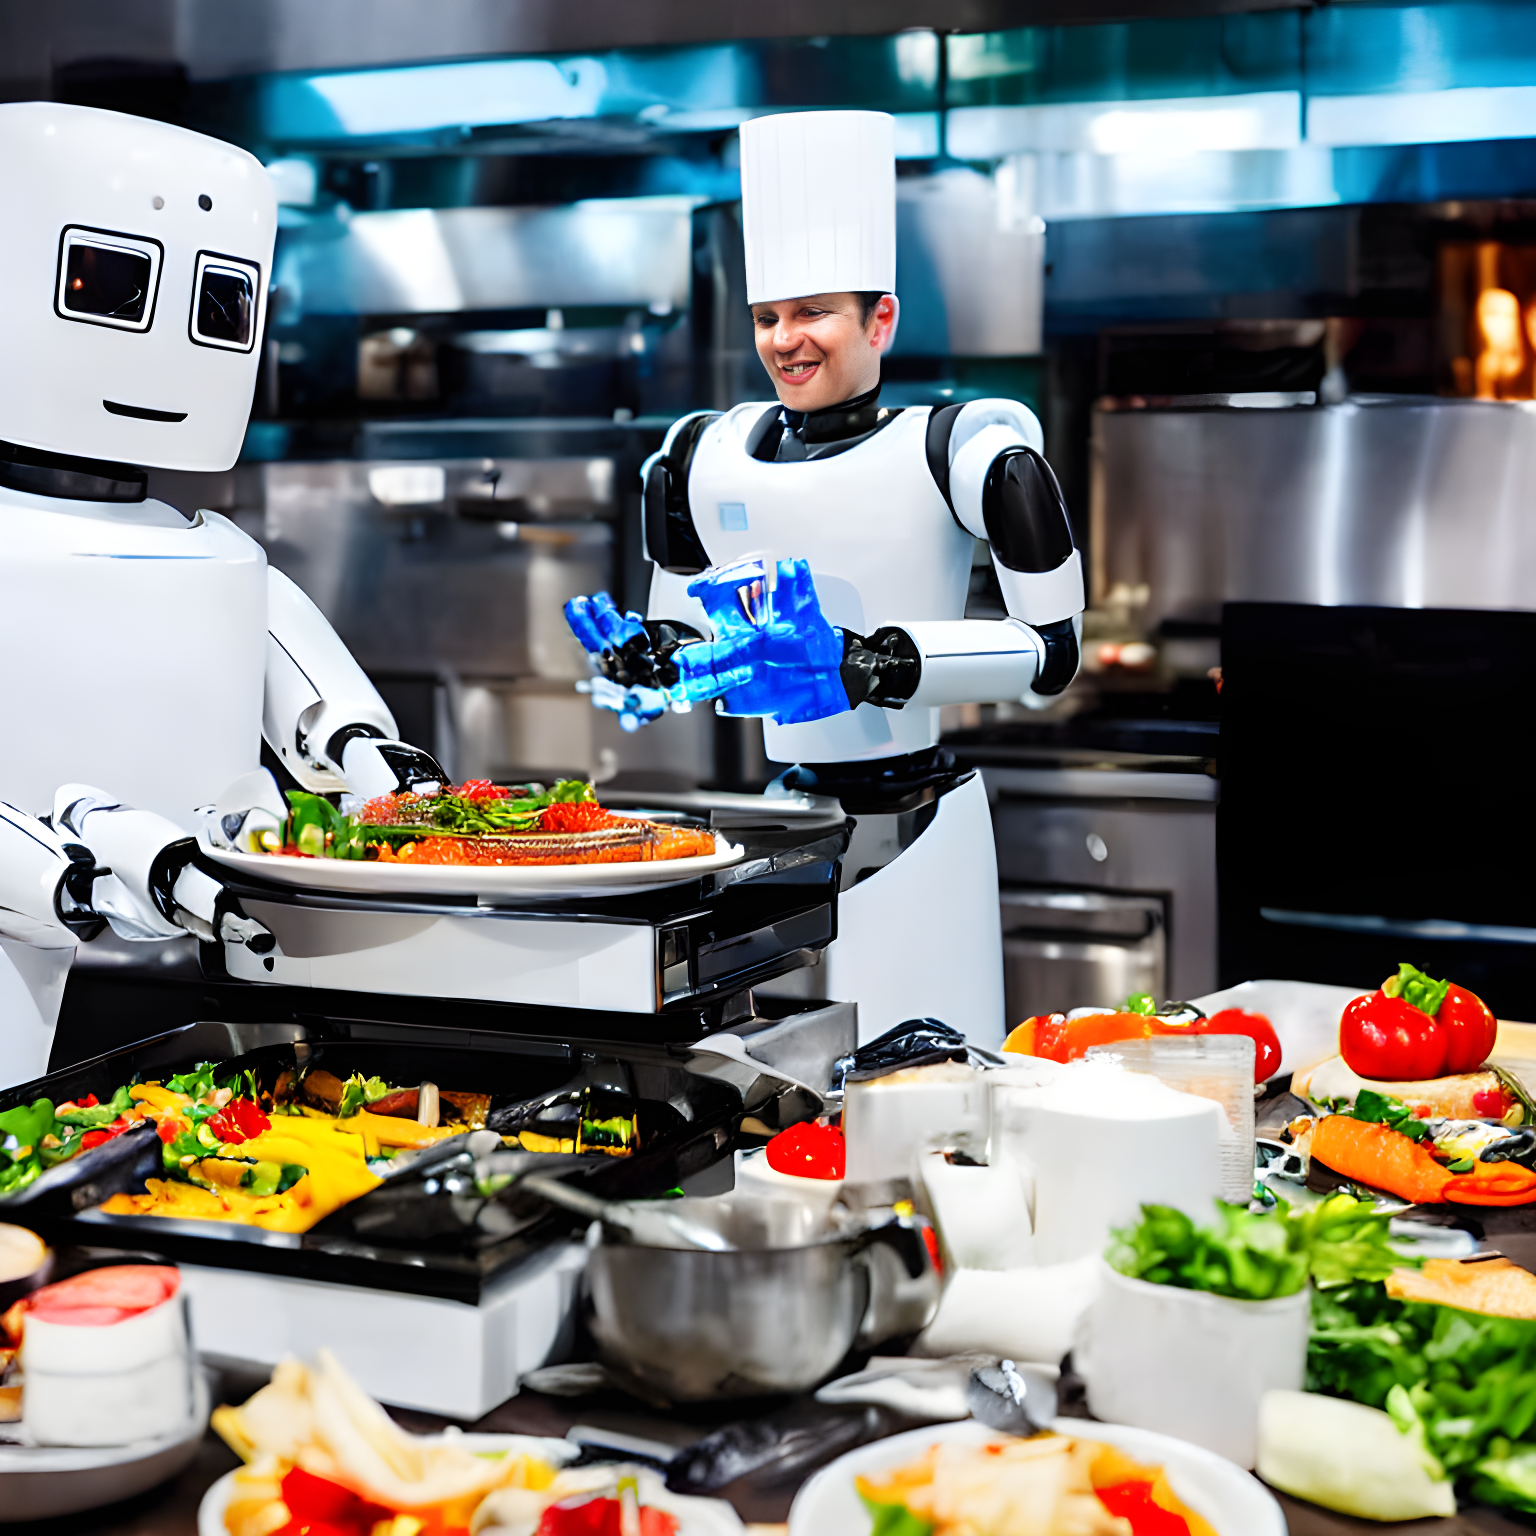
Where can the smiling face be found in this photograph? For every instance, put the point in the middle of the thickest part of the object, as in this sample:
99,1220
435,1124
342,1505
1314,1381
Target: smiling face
820,350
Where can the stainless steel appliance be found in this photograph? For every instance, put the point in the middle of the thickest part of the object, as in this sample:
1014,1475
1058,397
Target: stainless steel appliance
1399,501
1108,878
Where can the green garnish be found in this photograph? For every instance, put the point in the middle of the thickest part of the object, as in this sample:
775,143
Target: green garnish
1414,987
1257,1256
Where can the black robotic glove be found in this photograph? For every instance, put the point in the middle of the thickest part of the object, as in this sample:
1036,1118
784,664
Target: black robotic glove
645,661
883,670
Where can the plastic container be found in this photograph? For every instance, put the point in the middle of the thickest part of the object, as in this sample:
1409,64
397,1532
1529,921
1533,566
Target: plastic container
1216,1067
1188,1363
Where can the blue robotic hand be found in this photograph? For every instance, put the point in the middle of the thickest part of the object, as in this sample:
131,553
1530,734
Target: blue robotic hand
774,653
636,676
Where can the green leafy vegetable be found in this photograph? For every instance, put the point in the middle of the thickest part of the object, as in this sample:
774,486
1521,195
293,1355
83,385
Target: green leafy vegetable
1141,1002
1380,1109
1257,1256
196,1084
1469,1381
895,1519
98,1114
28,1123
1413,986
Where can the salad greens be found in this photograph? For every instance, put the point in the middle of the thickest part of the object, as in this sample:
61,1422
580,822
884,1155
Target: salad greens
1380,1109
1256,1256
1468,1379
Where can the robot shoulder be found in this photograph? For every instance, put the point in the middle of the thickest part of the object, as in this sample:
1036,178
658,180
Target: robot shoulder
951,427
670,538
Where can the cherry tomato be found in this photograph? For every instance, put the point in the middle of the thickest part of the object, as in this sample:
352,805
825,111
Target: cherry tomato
1383,1037
1470,1029
810,1150
1239,1021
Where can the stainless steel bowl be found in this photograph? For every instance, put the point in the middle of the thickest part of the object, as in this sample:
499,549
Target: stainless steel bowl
776,1315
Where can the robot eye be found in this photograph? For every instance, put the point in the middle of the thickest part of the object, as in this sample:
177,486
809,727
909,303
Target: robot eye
224,301
107,279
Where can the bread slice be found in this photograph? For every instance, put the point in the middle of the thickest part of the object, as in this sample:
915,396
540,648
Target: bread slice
1495,1287
1484,1095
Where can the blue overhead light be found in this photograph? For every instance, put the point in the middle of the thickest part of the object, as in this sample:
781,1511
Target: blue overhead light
375,103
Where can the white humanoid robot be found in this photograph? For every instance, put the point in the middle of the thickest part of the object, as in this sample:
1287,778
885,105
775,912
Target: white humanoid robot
147,653
885,506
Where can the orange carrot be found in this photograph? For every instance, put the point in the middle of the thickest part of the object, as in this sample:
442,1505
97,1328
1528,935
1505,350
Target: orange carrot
1493,1184
1377,1155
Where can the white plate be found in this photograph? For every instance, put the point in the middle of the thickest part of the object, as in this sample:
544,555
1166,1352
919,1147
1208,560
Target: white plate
1234,1502
698,1517
38,1482
365,877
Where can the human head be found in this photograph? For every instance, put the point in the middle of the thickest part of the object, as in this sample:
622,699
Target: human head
824,348
133,287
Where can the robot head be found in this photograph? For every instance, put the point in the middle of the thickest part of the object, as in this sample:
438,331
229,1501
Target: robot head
134,262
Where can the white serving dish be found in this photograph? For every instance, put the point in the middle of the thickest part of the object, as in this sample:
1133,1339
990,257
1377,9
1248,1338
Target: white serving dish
361,877
697,1517
41,1482
1233,1501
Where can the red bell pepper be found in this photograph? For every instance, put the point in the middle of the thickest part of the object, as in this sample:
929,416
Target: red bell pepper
810,1150
239,1120
1413,1028
1470,1029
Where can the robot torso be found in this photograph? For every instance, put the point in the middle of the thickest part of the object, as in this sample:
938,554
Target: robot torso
882,543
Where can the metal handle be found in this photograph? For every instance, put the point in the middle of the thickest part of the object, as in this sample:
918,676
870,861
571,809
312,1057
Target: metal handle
557,1193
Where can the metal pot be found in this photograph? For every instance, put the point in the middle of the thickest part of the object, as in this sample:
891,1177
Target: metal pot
775,1315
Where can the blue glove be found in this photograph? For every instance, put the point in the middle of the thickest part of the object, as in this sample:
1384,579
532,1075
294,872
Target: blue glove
774,653
635,679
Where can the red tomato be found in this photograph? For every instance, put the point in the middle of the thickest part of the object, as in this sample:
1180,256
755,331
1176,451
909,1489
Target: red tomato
1470,1029
1385,1037
1239,1021
1133,1502
810,1150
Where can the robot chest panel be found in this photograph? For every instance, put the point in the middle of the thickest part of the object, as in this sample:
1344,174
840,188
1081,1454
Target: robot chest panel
134,660
878,535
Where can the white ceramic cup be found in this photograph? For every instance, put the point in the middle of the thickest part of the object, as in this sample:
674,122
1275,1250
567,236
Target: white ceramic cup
1187,1363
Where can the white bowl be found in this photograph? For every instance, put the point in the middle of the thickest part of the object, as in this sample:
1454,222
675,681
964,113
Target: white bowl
1233,1501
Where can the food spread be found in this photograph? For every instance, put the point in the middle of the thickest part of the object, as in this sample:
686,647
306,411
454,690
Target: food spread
1043,1485
323,1459
480,823
1067,1037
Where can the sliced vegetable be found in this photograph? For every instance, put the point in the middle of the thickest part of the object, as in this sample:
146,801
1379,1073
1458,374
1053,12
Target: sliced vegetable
1377,1155
1350,1458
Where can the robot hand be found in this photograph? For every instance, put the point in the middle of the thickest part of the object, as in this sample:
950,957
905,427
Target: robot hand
774,653
135,870
370,765
637,675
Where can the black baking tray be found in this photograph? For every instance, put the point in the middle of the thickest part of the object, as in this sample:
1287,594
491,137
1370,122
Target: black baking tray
427,1230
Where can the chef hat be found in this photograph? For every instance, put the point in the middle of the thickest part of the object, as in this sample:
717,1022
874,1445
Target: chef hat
818,203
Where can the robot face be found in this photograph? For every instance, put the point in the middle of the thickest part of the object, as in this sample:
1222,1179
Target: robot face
133,268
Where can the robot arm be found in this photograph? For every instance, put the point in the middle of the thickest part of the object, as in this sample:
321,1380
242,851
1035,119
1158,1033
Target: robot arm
102,862
321,715
986,459
45,884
